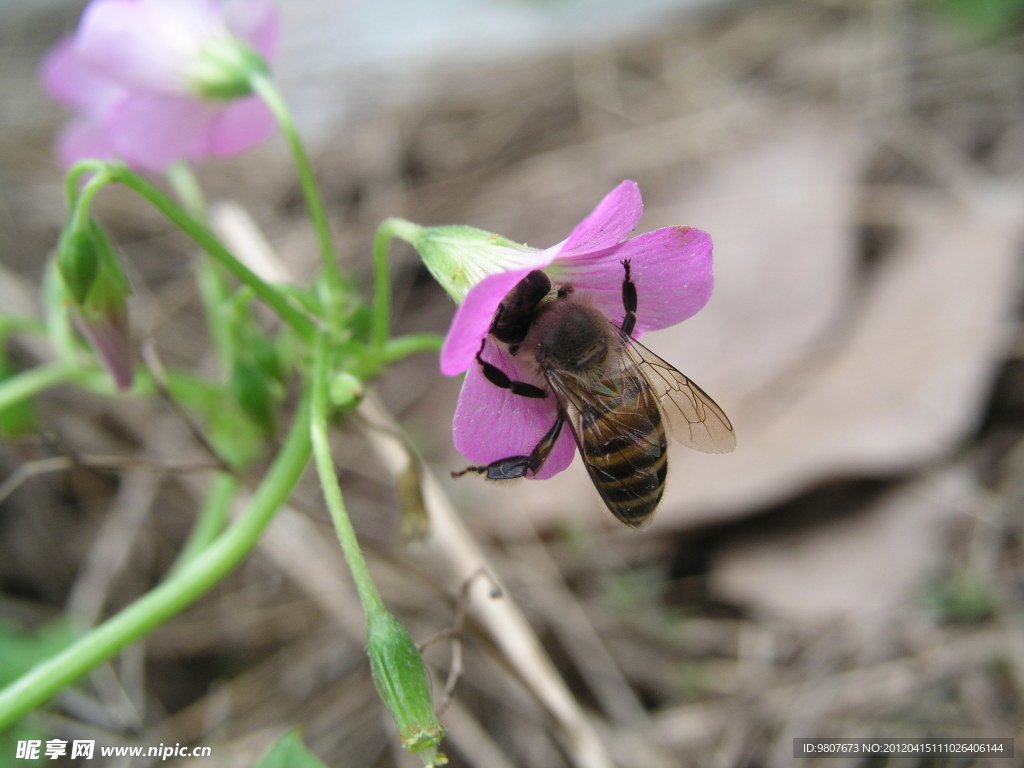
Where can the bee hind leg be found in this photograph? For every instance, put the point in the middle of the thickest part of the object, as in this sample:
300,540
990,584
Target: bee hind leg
503,469
513,467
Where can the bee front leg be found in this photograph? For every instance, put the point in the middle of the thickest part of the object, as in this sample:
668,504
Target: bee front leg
513,467
499,378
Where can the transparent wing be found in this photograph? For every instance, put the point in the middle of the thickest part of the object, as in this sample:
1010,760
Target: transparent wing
693,418
615,425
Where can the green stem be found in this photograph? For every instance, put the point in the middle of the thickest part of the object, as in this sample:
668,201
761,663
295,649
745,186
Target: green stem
206,240
72,181
368,594
28,383
388,229
55,312
213,289
186,187
402,346
78,218
180,589
212,518
214,286
264,87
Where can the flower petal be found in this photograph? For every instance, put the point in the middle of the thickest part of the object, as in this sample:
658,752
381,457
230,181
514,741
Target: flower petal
254,21
83,138
70,80
121,39
473,320
108,335
491,423
670,267
152,131
149,44
611,222
239,125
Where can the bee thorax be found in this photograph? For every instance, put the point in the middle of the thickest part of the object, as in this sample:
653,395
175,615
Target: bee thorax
570,337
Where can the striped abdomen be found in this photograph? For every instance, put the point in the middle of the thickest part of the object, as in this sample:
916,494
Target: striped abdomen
622,440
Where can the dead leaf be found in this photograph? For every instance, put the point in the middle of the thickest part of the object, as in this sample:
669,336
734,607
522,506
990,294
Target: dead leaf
859,568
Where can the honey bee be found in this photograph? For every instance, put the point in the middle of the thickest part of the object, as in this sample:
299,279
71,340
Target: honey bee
616,395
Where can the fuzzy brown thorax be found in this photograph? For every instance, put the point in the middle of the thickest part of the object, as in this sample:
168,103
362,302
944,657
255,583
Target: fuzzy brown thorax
569,335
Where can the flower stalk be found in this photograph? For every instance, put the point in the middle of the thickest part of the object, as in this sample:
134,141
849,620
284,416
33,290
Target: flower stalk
200,234
180,589
399,673
264,87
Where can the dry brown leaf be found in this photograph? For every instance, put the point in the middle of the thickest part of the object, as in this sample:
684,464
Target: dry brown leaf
898,386
860,568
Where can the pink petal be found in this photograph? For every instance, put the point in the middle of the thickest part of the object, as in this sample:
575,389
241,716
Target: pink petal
254,21
84,137
607,225
70,80
473,320
238,126
151,131
149,44
611,222
671,268
110,339
123,40
491,423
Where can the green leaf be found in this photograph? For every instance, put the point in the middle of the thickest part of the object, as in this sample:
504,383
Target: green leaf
237,438
289,752
18,418
20,650
989,17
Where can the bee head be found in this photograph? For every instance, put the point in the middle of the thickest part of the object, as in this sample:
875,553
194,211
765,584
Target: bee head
516,311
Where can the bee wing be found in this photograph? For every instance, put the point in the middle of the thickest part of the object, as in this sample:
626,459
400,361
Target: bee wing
693,418
622,446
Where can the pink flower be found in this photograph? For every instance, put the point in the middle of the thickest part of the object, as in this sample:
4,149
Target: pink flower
671,269
157,81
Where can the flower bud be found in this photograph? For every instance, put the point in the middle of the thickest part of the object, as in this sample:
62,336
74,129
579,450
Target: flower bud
98,290
403,684
78,260
345,390
223,70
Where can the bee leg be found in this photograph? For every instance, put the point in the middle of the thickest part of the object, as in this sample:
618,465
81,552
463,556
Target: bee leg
499,378
513,467
628,300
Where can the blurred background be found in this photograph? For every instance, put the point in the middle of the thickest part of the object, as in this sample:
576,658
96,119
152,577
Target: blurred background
853,569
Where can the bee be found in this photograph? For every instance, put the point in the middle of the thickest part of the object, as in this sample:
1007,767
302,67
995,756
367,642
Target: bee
619,399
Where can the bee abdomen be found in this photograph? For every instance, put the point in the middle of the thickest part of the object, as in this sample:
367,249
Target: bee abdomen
630,473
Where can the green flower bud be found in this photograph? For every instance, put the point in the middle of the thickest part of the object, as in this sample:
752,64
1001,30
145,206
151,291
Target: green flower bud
78,260
460,257
98,290
223,70
345,390
403,684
